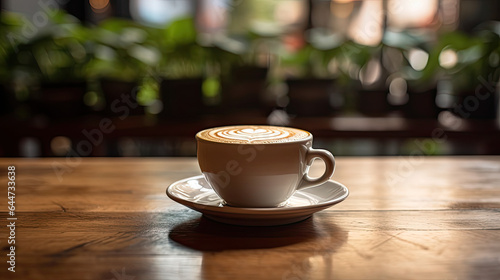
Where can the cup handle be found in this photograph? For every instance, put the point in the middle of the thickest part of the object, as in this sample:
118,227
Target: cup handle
329,161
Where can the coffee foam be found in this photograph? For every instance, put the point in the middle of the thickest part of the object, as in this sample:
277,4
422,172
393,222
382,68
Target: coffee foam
253,134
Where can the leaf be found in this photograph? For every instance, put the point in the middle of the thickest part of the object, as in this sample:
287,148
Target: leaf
181,32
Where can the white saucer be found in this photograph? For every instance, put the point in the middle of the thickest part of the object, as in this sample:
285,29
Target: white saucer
196,193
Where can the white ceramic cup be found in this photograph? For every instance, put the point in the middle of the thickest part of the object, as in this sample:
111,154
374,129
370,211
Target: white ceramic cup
259,166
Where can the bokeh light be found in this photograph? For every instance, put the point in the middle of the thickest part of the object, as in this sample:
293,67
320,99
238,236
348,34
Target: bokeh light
398,91
99,6
448,58
404,13
418,59
370,73
367,27
60,145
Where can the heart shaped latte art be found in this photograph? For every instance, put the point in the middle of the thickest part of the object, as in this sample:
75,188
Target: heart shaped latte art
251,134
253,131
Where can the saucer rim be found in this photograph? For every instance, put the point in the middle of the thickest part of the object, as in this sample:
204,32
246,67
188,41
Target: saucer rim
258,211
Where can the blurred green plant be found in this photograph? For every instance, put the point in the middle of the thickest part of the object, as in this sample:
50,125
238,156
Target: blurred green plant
489,34
120,51
148,91
10,29
57,53
459,57
325,55
180,54
66,50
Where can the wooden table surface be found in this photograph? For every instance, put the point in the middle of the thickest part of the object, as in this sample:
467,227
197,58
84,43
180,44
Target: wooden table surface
405,218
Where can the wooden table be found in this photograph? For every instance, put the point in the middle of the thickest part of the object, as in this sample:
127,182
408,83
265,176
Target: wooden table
406,218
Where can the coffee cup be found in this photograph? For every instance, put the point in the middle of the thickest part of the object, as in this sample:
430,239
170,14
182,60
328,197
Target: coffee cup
259,166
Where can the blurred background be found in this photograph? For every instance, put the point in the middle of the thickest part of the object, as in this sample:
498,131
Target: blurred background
140,77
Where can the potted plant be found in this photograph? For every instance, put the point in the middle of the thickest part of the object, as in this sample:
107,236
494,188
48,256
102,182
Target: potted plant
180,69
486,90
56,58
468,62
244,85
412,84
366,72
313,89
10,25
120,61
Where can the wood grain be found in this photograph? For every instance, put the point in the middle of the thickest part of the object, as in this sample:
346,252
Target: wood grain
406,218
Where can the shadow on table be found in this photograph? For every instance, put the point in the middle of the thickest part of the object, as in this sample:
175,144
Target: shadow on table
304,250
203,234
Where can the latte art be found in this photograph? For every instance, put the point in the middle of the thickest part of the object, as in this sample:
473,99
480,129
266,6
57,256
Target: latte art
253,134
